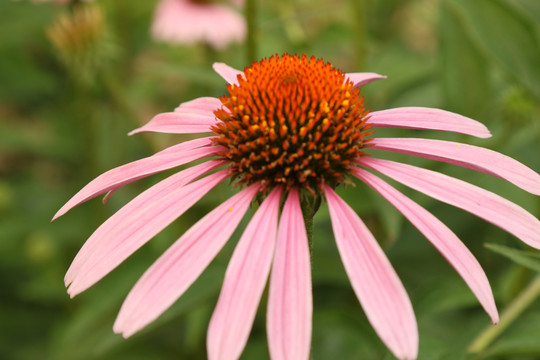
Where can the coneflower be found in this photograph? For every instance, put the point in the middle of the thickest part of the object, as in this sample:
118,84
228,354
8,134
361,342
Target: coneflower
289,131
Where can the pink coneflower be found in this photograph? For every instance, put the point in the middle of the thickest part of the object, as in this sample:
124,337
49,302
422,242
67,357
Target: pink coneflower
190,21
290,130
58,1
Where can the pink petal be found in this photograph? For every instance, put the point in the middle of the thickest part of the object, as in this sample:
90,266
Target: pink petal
444,240
289,299
115,178
472,157
482,203
137,222
201,106
244,283
170,150
427,118
174,272
373,279
363,78
178,123
228,73
186,145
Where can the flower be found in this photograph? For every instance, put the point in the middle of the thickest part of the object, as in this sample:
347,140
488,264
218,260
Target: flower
292,128
190,21
82,42
59,1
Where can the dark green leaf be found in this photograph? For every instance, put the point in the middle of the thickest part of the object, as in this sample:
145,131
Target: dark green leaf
507,36
465,76
525,258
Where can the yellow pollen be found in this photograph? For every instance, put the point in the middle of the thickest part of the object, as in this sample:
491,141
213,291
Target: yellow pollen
283,130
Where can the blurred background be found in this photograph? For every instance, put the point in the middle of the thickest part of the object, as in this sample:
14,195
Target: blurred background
76,78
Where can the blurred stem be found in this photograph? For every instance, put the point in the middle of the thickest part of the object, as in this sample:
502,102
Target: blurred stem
252,31
359,30
210,54
117,97
73,4
196,320
85,114
292,26
509,315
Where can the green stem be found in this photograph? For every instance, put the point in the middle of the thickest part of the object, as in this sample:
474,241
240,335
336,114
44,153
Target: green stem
84,112
359,20
251,40
73,4
116,95
310,204
509,315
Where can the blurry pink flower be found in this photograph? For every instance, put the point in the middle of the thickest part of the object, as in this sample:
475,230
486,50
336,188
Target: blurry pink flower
191,21
58,1
290,126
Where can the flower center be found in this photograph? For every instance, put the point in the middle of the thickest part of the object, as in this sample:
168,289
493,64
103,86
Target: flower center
291,121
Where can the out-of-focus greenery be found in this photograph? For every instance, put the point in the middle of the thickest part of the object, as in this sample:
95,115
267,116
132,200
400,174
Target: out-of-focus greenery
66,106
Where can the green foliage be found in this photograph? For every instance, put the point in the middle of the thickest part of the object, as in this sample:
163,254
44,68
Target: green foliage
508,37
528,259
64,119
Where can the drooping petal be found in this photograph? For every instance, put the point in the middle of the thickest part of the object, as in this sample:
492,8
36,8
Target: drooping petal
428,118
363,78
290,302
201,106
137,222
244,283
174,272
374,280
469,156
115,178
178,123
228,73
444,240
482,203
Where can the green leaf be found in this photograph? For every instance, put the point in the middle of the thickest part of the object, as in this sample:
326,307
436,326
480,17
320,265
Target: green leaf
528,259
465,81
530,8
507,36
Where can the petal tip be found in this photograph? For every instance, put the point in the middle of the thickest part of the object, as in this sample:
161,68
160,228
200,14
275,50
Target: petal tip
117,329
487,134
135,131
120,328
59,213
71,293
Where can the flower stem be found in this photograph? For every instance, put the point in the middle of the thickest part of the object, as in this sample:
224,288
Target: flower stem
251,40
116,95
511,313
310,204
359,29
